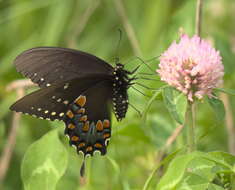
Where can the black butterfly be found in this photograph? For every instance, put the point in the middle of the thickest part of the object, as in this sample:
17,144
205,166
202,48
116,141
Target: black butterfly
77,88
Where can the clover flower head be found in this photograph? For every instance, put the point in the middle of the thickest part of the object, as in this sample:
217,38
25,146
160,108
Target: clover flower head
192,66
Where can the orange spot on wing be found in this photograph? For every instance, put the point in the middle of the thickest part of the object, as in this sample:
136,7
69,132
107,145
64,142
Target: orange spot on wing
99,126
106,135
71,126
82,110
89,149
98,145
81,145
81,101
75,138
106,123
83,118
85,127
70,114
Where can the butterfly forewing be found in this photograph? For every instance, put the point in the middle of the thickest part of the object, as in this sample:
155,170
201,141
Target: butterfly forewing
52,102
49,65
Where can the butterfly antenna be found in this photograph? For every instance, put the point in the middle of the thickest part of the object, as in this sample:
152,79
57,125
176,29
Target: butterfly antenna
118,46
136,110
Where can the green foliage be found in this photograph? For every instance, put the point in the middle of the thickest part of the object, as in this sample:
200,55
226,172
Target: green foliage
44,163
218,107
175,172
165,161
197,171
227,91
152,99
176,103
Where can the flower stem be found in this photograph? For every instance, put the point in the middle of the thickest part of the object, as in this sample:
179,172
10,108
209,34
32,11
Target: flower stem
190,126
198,21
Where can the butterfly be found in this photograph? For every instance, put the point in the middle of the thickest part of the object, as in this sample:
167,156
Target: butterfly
77,88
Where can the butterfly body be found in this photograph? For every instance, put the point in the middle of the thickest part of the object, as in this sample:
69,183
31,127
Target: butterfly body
78,89
89,137
121,83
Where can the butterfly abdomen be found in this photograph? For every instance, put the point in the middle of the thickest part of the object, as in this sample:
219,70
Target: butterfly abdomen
120,96
87,136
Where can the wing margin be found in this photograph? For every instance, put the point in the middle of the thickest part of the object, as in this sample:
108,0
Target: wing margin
50,65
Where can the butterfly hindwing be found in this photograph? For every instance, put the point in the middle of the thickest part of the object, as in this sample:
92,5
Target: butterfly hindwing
87,120
52,102
49,65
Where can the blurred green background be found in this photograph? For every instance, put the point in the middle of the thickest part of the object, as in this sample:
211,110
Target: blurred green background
92,25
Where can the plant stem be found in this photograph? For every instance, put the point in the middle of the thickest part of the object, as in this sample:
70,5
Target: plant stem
229,120
198,21
128,27
190,126
190,114
11,142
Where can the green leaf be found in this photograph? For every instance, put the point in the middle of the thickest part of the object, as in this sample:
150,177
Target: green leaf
203,168
175,172
165,161
227,91
114,164
218,107
176,103
214,187
44,163
150,103
116,168
195,170
193,182
223,159
196,182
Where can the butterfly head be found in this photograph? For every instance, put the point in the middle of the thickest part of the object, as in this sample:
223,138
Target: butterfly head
118,64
